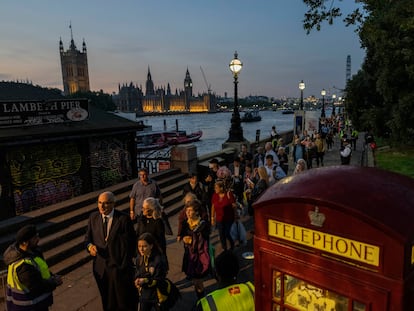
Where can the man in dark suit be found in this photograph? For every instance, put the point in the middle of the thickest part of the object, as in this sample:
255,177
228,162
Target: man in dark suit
110,239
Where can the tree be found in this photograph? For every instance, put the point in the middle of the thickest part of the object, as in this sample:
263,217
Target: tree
381,94
99,99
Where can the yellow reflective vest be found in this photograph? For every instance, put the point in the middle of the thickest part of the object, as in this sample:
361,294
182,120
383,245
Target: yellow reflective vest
18,296
235,297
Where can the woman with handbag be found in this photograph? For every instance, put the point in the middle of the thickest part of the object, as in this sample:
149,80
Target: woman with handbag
195,236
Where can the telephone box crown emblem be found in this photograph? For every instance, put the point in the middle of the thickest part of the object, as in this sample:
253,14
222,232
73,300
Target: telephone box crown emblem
316,219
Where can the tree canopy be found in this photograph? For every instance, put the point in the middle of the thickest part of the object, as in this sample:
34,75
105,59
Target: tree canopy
381,94
99,99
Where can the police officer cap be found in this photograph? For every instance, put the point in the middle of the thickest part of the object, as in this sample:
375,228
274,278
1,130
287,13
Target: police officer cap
25,234
227,265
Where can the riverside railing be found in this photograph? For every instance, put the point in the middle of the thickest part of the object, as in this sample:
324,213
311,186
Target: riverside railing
157,160
153,160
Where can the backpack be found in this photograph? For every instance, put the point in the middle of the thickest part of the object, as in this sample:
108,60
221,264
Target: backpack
168,293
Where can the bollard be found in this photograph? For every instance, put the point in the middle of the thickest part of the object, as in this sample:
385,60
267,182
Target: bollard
257,136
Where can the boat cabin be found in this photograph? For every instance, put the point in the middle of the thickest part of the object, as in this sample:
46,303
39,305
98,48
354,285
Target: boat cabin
251,116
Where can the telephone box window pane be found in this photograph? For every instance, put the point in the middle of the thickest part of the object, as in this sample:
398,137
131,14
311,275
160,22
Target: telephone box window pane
276,308
277,285
358,306
303,296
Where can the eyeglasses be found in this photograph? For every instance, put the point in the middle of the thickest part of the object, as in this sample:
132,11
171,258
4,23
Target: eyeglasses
106,202
141,175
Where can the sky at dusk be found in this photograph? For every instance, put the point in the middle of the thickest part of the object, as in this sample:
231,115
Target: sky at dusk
124,37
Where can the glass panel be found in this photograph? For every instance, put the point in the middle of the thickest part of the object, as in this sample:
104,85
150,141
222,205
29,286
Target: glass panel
277,285
304,296
358,306
276,308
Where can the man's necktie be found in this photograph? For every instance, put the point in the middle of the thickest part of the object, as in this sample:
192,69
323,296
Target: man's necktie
105,226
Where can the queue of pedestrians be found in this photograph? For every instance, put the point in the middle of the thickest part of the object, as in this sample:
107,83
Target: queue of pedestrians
130,262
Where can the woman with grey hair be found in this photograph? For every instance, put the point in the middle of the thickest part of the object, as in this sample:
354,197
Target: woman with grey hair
300,167
150,221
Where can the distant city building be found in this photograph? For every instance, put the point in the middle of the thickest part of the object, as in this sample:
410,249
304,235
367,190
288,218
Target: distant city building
74,64
131,98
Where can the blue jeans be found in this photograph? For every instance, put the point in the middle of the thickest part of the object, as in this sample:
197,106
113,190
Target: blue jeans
224,233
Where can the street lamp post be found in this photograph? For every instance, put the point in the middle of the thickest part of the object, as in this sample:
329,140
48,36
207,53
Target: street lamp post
301,88
323,93
333,104
236,131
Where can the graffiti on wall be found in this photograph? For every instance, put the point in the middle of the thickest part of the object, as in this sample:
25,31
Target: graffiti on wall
110,162
44,175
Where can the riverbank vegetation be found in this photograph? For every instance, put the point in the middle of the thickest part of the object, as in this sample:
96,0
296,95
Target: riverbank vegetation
380,96
399,160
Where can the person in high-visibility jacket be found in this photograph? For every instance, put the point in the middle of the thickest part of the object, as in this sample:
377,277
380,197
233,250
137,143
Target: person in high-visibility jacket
230,295
29,281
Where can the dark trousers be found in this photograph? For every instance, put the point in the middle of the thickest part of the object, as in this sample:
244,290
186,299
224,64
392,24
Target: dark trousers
353,143
319,158
106,289
308,155
149,306
224,234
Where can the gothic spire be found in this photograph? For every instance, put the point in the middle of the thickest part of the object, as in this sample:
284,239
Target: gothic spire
72,43
149,74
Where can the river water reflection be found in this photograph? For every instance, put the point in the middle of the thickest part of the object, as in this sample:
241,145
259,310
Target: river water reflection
215,126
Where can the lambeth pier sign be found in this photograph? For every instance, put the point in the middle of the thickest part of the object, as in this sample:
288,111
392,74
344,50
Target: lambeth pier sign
18,113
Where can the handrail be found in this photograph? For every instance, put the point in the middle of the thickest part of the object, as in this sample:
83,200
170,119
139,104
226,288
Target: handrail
151,159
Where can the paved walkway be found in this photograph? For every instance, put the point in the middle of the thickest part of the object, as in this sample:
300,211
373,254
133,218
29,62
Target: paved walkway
79,291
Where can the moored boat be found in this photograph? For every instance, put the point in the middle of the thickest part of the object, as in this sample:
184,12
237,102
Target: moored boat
251,116
150,141
181,137
162,139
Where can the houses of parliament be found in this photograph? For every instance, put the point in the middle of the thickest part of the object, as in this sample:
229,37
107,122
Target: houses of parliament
130,97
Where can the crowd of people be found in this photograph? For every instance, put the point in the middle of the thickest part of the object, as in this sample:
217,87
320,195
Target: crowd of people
130,262
309,149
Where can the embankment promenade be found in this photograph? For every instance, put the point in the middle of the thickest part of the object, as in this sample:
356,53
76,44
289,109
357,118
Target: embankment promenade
79,291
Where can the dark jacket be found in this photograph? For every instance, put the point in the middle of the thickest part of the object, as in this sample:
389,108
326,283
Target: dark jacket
258,157
114,259
154,270
258,189
198,190
155,227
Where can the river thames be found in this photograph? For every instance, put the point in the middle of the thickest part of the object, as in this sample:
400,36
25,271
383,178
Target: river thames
215,126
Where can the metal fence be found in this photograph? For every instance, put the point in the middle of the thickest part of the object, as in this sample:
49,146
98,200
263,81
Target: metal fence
153,160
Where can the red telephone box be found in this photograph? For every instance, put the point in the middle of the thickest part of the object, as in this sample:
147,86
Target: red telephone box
336,238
